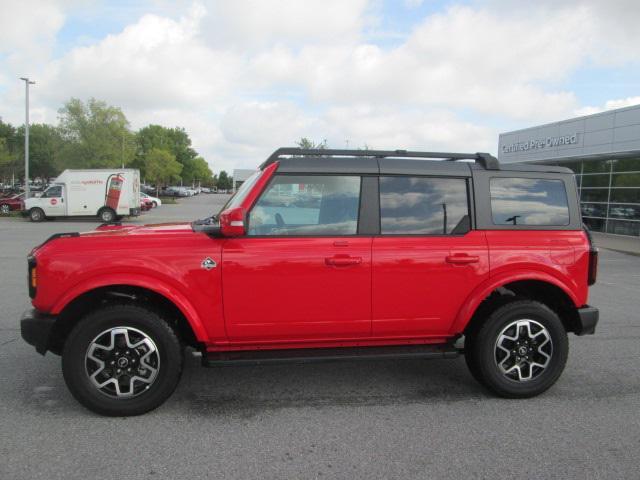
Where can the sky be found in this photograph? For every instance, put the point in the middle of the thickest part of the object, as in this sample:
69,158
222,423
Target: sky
245,77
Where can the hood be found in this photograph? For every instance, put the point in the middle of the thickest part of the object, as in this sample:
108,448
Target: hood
122,230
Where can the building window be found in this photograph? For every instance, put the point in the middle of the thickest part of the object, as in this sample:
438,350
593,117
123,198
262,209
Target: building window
529,201
610,195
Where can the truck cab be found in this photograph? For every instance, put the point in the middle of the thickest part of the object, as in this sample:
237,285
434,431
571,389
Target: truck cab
327,255
51,203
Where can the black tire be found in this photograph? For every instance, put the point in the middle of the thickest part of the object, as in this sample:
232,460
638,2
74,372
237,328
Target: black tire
107,215
155,204
5,209
37,215
138,319
482,352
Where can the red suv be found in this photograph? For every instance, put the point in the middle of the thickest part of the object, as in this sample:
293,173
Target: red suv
327,255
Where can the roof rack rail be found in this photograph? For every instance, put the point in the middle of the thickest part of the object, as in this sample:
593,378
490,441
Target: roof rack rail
488,161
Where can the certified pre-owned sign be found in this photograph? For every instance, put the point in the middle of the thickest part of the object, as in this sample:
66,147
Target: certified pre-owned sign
539,143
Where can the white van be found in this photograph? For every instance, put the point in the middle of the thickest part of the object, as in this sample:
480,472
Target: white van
107,193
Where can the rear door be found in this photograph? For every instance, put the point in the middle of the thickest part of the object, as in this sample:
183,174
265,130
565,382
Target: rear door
427,260
302,272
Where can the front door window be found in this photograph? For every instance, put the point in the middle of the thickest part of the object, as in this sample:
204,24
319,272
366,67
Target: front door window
307,205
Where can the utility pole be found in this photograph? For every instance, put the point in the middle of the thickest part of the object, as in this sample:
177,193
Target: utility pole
27,82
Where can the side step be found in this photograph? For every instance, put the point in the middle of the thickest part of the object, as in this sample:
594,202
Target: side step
313,355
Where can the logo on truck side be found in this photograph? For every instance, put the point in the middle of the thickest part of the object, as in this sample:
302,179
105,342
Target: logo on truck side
208,263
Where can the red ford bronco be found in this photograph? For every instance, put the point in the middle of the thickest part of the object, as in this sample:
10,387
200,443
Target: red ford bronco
326,255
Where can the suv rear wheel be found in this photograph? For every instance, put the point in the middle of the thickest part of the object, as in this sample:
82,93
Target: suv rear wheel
520,351
122,360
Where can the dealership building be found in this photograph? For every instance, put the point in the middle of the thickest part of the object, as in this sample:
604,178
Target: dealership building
603,150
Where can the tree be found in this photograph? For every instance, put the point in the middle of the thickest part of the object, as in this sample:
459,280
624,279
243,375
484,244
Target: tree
173,140
45,145
96,135
7,159
307,144
10,163
161,166
197,170
225,182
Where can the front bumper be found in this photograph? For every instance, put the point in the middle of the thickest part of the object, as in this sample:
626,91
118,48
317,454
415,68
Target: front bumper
35,328
587,320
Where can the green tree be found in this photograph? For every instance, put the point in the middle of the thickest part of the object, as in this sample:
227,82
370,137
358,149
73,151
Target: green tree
96,135
7,160
161,167
45,146
10,163
173,140
197,170
225,182
308,144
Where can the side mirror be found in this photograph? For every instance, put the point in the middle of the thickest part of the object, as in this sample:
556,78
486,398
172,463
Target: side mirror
232,222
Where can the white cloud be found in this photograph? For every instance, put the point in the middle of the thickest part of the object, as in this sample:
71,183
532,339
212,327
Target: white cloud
29,27
247,76
609,105
154,62
258,23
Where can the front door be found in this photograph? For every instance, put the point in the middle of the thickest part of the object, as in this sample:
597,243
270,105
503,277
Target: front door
426,260
53,201
302,272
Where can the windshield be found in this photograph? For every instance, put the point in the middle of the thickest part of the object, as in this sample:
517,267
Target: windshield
241,193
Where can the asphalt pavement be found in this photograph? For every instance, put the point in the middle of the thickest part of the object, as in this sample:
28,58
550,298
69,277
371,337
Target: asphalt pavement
370,419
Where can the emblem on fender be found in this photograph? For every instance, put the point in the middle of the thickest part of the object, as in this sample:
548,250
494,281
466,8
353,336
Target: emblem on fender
208,263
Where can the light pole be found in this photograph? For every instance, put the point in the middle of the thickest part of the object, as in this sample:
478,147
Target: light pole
27,82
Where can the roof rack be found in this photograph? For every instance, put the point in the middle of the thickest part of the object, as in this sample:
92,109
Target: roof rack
488,161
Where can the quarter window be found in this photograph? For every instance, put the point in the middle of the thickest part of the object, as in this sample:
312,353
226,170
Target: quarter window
423,206
295,205
529,201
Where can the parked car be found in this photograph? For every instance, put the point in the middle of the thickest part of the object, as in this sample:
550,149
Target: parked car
145,204
176,192
401,256
12,204
155,201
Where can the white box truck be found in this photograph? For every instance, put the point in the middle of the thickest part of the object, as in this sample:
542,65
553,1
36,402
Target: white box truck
105,193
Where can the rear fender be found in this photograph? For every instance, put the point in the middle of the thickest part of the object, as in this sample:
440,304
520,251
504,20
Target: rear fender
481,292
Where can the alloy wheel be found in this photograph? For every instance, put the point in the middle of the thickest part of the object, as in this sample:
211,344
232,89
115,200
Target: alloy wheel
523,350
122,362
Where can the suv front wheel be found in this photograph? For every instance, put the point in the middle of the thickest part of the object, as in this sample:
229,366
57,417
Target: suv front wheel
520,351
122,360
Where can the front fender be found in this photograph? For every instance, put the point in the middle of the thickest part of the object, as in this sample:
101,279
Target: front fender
481,292
142,281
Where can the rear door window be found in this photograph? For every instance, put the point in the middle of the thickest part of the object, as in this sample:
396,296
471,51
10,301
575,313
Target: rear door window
295,205
529,201
423,206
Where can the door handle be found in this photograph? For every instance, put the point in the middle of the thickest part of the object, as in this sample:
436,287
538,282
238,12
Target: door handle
342,261
462,259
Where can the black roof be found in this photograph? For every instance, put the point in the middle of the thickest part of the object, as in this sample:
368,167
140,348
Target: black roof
373,162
